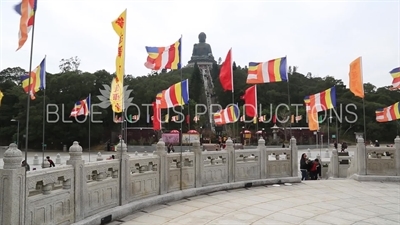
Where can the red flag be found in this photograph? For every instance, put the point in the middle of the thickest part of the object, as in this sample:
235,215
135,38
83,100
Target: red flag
188,119
274,118
250,101
226,73
156,117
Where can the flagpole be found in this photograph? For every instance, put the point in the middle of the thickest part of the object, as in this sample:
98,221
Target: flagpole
180,133
233,102
123,106
90,112
329,114
44,126
256,113
288,90
28,102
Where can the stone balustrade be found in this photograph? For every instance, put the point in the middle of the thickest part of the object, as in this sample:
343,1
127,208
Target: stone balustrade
83,192
368,163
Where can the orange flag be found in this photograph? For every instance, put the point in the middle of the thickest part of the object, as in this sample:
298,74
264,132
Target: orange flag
312,115
356,78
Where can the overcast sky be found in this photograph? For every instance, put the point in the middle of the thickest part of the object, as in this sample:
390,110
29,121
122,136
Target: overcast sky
321,37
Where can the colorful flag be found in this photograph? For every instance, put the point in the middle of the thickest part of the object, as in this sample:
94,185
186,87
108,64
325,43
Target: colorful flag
176,95
262,118
274,70
324,100
320,120
156,117
312,115
1,96
81,108
38,80
119,26
226,73
227,115
396,78
250,101
26,9
356,78
274,119
116,95
380,115
196,118
292,119
390,113
298,118
164,57
166,118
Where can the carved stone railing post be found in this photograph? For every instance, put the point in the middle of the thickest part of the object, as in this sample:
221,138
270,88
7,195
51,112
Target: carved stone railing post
362,157
231,160
334,164
263,158
122,155
294,155
199,164
397,154
163,166
12,186
80,187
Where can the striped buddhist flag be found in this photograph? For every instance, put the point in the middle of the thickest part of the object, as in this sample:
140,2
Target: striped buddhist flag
324,100
176,95
227,115
396,78
164,57
274,70
37,80
380,115
390,113
26,9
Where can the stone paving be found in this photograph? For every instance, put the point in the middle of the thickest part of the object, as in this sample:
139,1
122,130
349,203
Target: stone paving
310,202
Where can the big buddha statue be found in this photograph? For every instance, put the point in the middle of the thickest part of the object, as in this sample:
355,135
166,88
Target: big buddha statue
202,51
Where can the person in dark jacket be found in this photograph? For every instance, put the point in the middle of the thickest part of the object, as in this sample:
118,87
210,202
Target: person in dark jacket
304,166
26,165
50,161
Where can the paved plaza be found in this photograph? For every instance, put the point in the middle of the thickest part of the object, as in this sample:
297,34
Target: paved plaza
310,202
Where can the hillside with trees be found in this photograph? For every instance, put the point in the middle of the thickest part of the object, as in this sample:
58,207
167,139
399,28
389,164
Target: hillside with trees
70,85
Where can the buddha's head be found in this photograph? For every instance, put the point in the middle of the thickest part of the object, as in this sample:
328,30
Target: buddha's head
202,37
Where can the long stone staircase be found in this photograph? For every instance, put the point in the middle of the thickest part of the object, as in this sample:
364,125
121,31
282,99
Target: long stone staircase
205,69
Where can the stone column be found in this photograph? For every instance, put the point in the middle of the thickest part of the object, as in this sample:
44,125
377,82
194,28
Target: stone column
80,186
294,155
12,187
361,154
263,158
199,164
122,155
163,167
397,154
334,164
231,160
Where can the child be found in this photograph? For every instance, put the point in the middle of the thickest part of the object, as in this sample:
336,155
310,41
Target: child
314,171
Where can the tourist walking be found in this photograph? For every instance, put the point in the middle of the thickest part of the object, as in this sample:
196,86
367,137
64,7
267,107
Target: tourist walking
50,161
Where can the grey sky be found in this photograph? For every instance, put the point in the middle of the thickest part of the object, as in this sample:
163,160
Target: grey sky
321,37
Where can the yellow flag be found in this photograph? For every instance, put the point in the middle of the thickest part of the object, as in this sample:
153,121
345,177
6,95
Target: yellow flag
1,97
356,78
116,96
119,26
